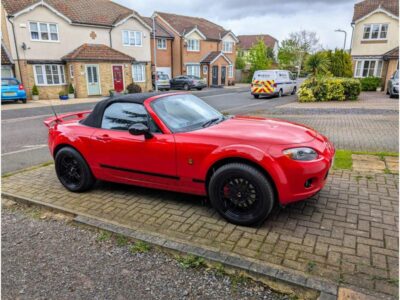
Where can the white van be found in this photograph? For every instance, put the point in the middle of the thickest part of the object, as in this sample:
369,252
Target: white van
273,82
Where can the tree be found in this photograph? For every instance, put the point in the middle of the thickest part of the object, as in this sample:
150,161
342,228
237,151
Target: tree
258,57
289,54
340,63
318,64
308,41
240,61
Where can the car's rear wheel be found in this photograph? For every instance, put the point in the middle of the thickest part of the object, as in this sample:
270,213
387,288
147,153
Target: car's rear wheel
23,100
256,96
199,89
241,194
73,171
294,90
280,94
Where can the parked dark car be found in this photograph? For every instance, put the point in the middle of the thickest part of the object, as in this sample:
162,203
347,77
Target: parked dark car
393,85
188,82
12,90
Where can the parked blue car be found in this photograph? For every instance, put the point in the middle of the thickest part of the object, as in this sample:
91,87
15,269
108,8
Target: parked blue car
12,90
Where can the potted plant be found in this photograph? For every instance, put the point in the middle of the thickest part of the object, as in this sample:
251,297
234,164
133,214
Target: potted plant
112,93
63,95
35,92
71,91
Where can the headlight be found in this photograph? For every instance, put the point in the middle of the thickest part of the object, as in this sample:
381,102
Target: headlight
303,154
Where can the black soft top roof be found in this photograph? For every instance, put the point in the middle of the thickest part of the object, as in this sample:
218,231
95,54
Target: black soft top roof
95,117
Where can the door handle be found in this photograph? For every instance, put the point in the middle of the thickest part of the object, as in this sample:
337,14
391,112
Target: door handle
104,137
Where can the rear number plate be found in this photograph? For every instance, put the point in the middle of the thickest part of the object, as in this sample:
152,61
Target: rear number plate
9,94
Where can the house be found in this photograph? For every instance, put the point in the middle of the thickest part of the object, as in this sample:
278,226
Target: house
375,38
97,45
247,41
163,39
200,47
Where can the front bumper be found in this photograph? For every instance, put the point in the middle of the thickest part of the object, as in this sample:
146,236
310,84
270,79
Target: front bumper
395,90
300,180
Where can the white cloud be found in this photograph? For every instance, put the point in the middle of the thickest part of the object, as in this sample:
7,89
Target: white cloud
277,18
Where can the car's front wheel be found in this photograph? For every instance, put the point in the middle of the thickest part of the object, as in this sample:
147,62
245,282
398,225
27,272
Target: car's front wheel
73,171
241,194
256,96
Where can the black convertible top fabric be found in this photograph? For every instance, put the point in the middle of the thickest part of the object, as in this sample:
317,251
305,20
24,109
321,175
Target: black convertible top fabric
95,117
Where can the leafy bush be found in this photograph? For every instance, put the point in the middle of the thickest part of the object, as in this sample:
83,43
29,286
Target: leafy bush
134,88
328,89
71,89
62,93
370,83
35,90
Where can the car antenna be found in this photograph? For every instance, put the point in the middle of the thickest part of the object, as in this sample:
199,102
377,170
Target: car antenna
54,111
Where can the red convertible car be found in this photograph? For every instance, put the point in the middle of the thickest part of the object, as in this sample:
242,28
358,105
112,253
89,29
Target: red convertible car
177,142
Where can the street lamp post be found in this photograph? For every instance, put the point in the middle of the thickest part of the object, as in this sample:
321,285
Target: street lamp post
345,37
155,53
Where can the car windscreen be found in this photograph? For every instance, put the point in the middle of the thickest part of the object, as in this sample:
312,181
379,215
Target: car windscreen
396,75
9,81
163,77
182,113
264,75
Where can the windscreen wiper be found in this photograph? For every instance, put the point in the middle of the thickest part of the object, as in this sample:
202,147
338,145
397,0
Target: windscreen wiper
209,122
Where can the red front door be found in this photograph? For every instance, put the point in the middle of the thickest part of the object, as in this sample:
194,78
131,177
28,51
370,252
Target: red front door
118,79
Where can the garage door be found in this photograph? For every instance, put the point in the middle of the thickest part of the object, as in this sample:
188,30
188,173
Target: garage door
165,70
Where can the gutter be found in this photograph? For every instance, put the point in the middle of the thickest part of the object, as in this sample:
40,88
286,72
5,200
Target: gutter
16,47
109,33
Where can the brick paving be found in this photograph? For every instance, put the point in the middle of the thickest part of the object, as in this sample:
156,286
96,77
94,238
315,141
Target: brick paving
359,132
347,233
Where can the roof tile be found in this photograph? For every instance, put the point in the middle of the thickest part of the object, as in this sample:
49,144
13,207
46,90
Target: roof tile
96,52
247,41
363,8
161,31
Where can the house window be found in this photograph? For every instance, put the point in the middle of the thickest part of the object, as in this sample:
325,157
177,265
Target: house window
43,31
139,72
132,38
230,71
227,47
161,44
193,70
71,71
368,68
49,74
193,45
375,31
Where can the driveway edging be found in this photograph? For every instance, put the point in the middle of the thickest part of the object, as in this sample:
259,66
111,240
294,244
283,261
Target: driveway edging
328,289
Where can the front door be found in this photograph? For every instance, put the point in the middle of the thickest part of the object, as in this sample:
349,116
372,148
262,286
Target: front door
133,158
215,75
223,75
92,79
118,79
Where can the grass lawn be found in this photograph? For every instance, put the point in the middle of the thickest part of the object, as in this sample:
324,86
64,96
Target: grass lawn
343,158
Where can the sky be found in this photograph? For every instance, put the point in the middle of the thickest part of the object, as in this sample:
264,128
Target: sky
275,17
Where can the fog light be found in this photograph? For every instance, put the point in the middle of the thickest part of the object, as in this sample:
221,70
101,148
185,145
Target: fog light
308,183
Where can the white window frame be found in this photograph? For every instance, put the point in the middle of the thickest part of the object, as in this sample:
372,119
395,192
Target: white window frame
193,45
39,39
132,35
60,73
142,75
193,69
359,66
162,44
227,47
379,32
71,71
230,71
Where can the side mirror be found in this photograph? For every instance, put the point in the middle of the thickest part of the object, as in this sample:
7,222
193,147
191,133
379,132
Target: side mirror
140,129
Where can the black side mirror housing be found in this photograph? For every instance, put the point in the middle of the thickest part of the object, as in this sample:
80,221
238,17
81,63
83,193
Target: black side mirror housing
140,129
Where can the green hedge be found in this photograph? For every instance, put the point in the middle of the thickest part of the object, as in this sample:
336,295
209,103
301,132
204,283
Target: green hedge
370,83
328,89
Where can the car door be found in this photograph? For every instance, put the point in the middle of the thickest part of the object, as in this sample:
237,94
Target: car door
175,82
131,158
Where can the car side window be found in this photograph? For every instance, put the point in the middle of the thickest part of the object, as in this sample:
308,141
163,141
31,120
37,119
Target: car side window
120,116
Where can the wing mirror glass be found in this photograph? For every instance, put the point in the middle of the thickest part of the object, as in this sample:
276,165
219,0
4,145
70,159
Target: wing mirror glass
140,129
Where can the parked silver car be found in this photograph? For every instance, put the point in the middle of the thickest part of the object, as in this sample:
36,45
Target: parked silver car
393,85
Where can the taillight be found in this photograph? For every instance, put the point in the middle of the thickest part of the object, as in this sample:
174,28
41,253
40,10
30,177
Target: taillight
275,85
21,87
251,85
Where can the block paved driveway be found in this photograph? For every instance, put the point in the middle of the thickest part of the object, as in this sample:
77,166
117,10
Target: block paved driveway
348,233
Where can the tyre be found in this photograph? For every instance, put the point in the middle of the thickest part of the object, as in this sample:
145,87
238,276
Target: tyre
280,94
73,171
186,87
256,96
294,90
199,89
241,194
24,100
